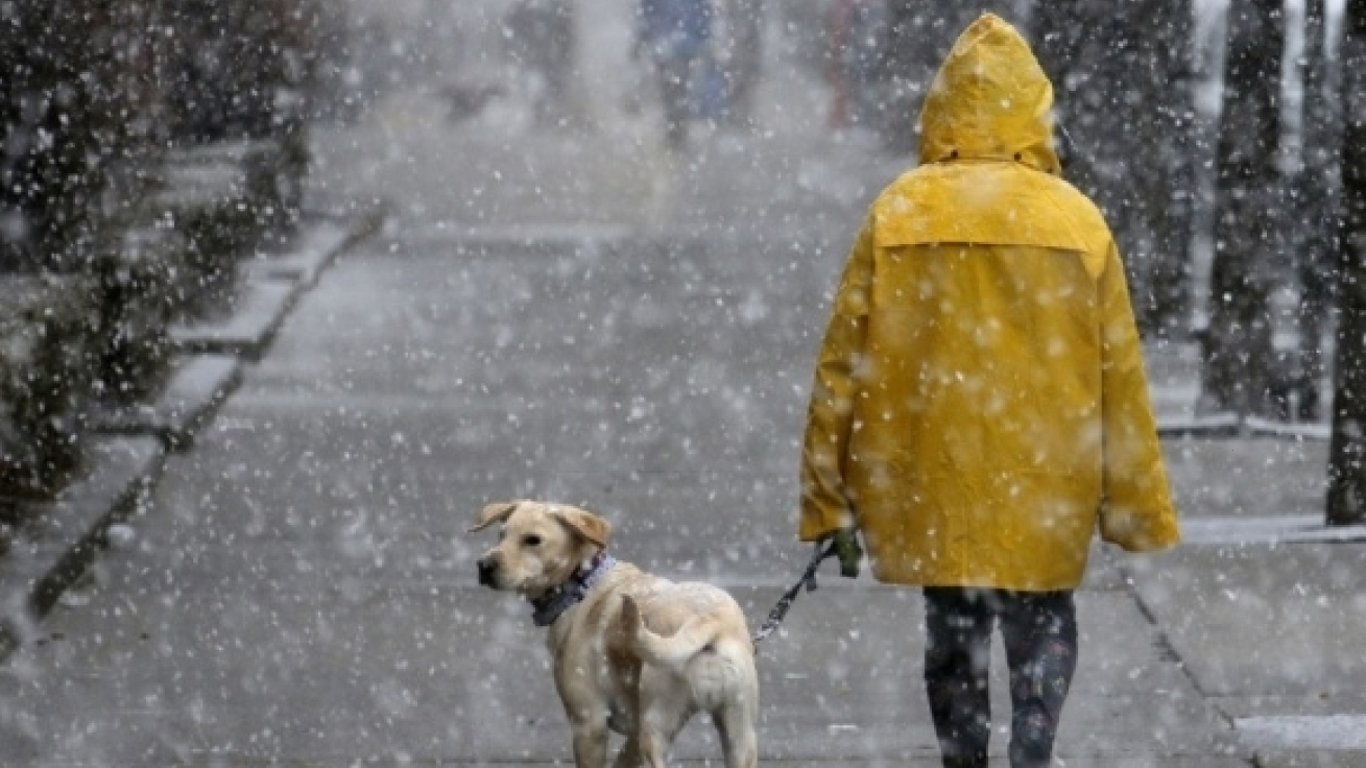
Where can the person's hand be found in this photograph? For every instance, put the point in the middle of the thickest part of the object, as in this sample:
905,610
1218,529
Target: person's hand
848,551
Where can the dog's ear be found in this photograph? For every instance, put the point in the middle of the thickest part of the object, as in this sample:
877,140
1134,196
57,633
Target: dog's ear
585,524
496,512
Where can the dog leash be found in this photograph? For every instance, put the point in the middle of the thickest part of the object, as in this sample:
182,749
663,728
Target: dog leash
808,580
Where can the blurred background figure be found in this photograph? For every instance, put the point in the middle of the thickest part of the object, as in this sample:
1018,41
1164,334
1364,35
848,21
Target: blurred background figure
543,41
674,34
856,32
742,54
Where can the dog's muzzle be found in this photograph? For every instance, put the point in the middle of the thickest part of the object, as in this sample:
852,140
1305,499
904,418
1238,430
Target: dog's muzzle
487,568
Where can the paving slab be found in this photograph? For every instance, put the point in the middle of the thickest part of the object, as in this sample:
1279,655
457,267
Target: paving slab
1339,733
1246,477
1269,629
1262,619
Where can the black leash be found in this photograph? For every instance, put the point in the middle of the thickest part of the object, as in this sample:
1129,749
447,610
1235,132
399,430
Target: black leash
808,580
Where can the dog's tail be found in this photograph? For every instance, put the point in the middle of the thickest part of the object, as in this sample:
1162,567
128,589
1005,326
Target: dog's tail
673,652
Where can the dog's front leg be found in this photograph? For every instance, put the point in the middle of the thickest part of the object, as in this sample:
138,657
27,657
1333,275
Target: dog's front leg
590,744
584,703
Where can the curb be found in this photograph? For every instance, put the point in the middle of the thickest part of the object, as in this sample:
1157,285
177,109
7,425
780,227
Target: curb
1303,758
197,386
58,540
209,366
270,287
316,251
1228,425
260,310
1301,741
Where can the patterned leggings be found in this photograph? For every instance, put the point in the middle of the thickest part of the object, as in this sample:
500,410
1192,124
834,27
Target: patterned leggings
1040,633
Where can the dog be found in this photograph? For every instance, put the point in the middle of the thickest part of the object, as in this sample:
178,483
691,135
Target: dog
633,653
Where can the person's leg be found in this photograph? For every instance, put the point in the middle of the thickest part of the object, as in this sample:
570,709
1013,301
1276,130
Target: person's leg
559,55
675,83
1040,632
746,59
958,625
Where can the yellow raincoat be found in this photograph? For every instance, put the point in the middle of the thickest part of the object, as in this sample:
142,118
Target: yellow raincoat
979,401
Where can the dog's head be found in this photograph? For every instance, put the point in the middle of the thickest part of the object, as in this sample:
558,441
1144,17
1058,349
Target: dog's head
540,545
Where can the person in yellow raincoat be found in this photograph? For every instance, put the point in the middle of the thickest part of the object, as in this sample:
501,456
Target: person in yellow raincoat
979,406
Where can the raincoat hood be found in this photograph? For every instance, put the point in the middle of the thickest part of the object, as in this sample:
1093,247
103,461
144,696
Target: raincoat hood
990,101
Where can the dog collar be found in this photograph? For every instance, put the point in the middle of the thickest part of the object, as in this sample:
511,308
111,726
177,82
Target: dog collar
549,607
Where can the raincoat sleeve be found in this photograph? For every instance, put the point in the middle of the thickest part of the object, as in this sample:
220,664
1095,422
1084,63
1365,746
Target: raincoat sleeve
1136,508
825,506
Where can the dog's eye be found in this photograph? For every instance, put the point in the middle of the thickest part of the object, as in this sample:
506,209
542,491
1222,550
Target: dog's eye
531,541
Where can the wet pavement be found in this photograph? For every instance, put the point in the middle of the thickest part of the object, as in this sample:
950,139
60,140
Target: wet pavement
300,587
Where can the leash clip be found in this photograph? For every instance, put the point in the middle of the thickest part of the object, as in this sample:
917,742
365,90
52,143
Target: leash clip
816,560
808,581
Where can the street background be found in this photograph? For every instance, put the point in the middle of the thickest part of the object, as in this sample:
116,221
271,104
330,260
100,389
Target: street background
580,315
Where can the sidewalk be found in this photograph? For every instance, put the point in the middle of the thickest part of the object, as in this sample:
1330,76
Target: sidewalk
578,317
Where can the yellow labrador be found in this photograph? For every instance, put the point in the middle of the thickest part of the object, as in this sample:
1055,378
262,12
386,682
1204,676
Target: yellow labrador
633,653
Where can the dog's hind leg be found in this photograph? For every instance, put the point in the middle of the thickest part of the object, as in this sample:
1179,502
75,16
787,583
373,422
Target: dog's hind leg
657,734
738,716
735,724
665,709
629,756
654,747
590,745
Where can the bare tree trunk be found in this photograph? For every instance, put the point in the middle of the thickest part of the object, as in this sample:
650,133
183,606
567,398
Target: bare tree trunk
1071,50
1159,238
1316,189
1347,453
1239,366
1123,78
